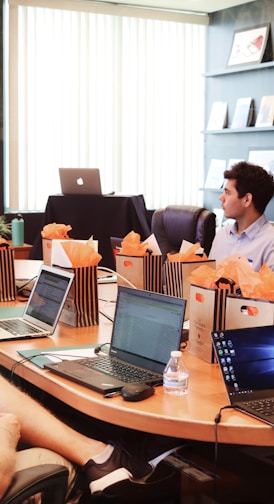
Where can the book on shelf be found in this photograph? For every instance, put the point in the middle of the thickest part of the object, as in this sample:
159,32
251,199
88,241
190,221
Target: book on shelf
243,113
215,174
265,115
218,116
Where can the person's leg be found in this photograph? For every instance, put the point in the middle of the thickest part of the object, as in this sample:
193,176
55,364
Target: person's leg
41,428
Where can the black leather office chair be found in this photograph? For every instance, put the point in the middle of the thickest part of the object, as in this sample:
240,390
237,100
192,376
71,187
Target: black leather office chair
175,223
50,479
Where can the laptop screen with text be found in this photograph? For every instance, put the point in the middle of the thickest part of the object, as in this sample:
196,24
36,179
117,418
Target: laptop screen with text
147,326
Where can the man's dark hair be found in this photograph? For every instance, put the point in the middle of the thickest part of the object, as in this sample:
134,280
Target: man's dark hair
250,178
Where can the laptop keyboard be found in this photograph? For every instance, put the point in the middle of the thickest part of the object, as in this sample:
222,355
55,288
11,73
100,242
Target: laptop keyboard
121,370
262,406
18,327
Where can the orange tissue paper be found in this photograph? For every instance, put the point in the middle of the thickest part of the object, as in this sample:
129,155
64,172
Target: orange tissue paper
132,246
55,231
252,284
204,276
228,269
258,285
81,254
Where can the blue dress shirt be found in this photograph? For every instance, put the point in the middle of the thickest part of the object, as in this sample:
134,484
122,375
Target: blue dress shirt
256,243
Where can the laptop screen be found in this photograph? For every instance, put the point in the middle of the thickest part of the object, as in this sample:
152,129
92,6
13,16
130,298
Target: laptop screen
147,326
47,296
246,358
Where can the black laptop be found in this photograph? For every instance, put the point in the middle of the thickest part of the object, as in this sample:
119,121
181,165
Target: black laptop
147,326
246,359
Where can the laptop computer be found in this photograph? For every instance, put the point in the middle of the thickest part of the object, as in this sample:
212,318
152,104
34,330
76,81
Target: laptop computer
80,181
43,308
147,326
246,359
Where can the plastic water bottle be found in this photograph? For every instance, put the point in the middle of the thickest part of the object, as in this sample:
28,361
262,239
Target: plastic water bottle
17,231
175,376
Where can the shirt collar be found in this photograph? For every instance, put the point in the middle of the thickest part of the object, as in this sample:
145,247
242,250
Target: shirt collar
251,230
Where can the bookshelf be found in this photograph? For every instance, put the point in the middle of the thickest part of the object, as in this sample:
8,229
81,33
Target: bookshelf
228,84
248,129
236,70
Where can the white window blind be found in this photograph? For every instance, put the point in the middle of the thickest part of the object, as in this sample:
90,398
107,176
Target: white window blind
124,94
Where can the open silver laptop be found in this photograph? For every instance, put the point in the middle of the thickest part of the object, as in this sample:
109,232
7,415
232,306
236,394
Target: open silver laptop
246,359
43,308
80,181
147,326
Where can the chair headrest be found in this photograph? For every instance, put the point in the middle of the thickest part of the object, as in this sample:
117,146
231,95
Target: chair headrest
181,221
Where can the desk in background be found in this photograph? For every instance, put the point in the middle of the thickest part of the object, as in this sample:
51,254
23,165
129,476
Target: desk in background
21,251
100,216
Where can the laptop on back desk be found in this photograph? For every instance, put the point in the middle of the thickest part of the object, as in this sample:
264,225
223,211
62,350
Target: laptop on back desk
43,308
147,326
246,359
80,181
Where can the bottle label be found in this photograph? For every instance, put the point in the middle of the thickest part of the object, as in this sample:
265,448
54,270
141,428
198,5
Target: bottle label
175,383
180,380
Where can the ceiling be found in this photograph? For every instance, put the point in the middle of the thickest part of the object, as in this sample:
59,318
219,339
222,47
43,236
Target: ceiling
205,6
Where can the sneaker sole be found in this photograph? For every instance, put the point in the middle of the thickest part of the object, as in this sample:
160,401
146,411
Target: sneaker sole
109,479
154,462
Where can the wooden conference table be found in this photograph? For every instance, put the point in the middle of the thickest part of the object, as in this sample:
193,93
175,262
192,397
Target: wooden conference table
189,417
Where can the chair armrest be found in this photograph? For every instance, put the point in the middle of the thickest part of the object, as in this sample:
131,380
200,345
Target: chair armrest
51,479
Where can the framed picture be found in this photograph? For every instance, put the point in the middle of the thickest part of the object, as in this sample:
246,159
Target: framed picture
249,45
264,158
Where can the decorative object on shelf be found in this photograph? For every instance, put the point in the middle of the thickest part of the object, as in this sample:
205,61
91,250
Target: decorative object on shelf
218,116
243,113
265,115
5,227
251,45
264,158
215,174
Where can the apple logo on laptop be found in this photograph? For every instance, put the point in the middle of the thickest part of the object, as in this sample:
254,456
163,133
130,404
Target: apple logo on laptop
80,181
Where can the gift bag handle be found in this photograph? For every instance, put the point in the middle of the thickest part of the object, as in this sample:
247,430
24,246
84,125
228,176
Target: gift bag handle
227,281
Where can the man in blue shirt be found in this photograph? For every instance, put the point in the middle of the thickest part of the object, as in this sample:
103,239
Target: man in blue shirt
247,191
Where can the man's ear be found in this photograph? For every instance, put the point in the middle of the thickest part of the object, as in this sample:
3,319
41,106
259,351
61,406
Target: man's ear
248,199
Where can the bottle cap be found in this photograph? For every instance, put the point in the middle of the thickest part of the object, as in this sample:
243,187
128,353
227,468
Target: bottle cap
176,353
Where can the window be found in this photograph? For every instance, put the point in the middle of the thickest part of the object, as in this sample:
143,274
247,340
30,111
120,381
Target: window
124,94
